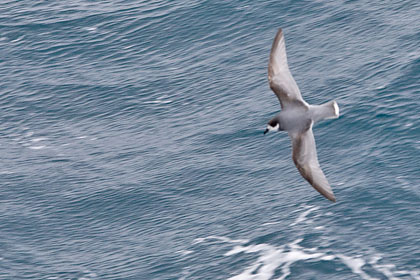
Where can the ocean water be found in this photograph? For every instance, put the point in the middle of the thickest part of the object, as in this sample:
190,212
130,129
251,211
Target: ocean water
132,146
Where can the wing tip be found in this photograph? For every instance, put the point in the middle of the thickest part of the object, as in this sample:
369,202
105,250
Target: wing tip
332,198
278,36
325,192
277,39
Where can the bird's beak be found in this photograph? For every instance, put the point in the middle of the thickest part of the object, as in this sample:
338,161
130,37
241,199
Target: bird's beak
266,130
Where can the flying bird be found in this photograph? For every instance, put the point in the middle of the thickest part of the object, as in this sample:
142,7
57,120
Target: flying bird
297,118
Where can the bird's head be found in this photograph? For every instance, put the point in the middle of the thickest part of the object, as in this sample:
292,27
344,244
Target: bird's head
273,125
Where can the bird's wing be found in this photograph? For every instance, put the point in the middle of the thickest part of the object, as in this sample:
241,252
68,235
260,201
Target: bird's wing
279,77
306,161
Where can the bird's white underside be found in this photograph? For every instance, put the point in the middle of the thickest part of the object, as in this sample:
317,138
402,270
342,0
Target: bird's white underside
271,128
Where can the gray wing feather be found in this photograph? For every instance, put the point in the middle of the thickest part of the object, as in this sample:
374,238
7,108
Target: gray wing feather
306,161
279,77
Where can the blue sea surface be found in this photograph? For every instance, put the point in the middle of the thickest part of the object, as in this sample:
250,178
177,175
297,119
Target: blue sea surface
132,146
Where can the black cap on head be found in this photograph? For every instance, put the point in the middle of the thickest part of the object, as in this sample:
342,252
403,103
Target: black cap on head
273,123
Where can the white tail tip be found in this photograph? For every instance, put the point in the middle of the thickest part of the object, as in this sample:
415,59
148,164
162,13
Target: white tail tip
336,109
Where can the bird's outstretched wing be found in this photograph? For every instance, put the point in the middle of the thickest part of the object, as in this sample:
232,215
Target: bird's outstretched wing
306,161
279,77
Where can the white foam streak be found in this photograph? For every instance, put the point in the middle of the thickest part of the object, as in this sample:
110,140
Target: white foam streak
38,139
36,147
386,269
158,102
356,264
271,258
302,217
18,39
219,238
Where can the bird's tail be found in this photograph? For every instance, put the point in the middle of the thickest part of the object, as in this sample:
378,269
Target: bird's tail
324,111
